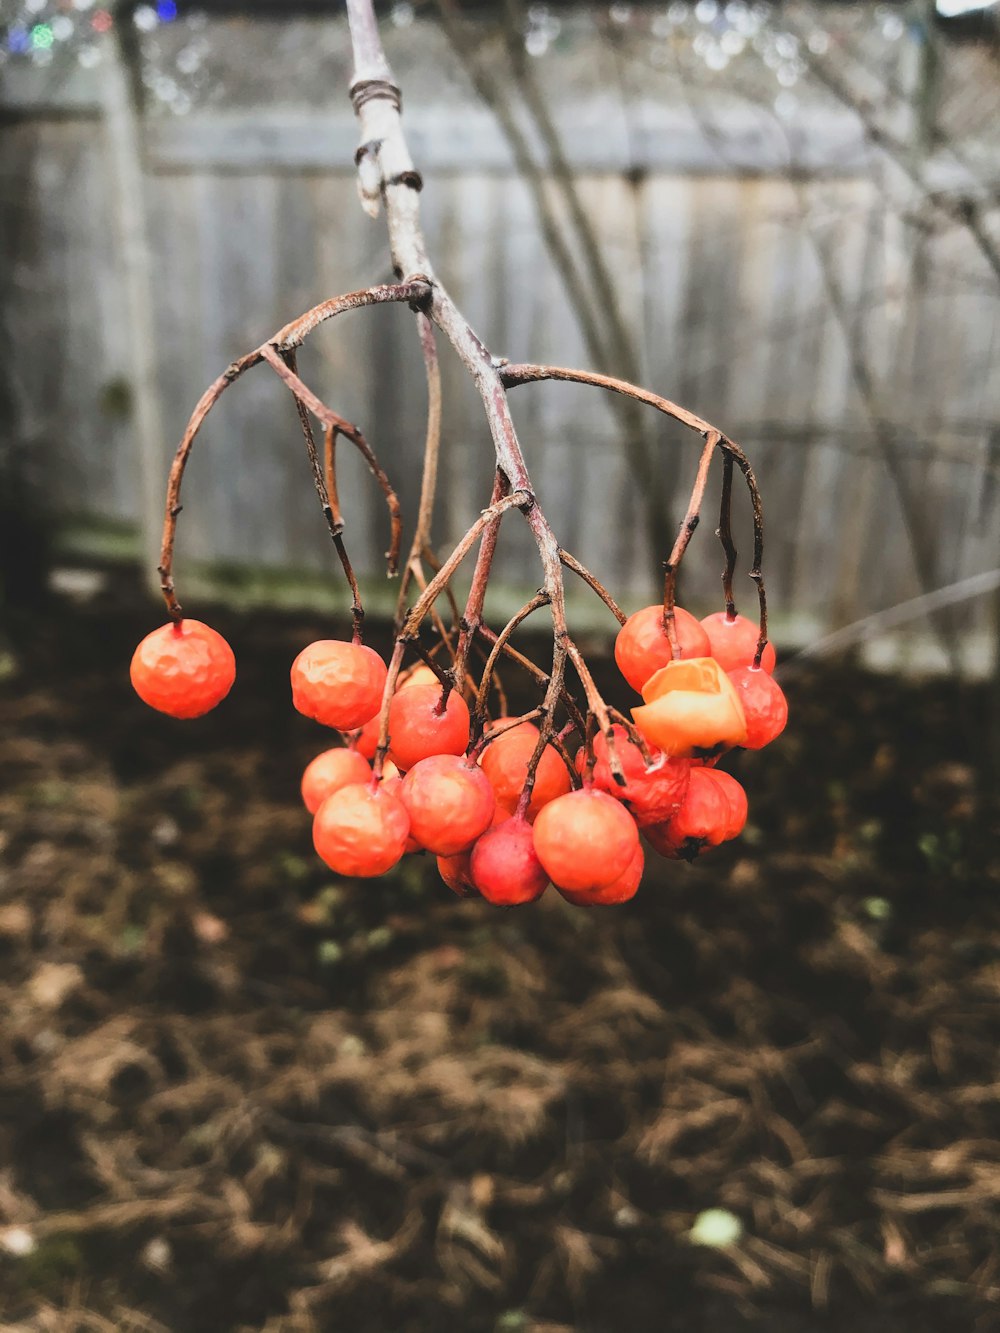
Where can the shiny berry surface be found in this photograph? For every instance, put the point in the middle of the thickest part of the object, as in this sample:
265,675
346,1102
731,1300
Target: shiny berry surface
505,866
456,871
505,763
183,669
361,830
620,890
652,792
328,772
733,643
419,727
736,796
338,684
642,646
764,705
585,839
703,820
449,803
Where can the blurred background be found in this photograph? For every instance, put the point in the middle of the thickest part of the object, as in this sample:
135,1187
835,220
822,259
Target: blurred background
236,1094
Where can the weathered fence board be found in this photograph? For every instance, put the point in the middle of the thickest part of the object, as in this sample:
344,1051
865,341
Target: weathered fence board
721,277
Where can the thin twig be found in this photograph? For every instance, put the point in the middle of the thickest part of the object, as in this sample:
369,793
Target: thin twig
725,534
286,339
571,562
432,449
513,375
329,418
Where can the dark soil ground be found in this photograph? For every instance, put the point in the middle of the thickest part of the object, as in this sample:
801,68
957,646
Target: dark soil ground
238,1095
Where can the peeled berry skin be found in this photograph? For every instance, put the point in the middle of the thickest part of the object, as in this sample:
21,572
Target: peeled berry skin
449,803
183,669
642,646
505,763
328,772
361,830
764,705
620,890
338,684
652,793
417,730
505,866
734,642
691,707
585,839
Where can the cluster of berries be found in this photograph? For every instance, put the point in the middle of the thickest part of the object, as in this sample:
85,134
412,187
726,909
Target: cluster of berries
503,820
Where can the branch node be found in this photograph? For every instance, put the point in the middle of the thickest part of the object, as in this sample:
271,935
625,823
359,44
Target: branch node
367,90
412,179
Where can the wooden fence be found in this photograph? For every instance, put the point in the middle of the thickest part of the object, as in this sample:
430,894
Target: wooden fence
757,299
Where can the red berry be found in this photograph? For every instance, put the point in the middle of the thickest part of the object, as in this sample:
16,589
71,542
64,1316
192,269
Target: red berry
642,646
505,763
361,830
705,818
738,804
339,684
620,890
366,741
691,707
450,803
183,669
585,839
652,794
419,727
456,871
505,866
734,642
329,771
764,705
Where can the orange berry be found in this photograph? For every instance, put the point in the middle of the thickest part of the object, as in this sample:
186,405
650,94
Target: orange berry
691,707
338,684
419,727
505,867
421,674
392,781
456,872
585,839
734,642
329,771
183,669
652,794
764,705
505,763
642,646
366,741
449,801
361,830
620,890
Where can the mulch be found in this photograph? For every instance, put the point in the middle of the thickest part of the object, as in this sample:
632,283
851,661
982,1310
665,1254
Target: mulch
237,1094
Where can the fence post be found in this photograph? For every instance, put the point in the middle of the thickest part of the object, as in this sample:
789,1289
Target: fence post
122,99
